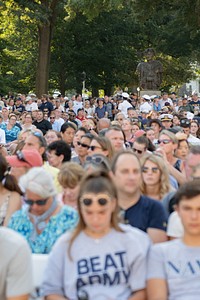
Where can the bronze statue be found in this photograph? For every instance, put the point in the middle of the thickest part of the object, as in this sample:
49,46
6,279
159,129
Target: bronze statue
150,71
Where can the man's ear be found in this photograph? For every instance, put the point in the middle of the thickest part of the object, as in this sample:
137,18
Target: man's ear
41,150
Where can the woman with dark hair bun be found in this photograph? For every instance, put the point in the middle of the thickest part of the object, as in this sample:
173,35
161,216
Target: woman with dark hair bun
10,199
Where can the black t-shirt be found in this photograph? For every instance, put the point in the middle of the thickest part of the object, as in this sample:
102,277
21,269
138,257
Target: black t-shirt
146,213
44,125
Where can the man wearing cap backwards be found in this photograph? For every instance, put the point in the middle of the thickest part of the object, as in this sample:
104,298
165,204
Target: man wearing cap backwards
16,281
166,120
24,160
173,267
124,104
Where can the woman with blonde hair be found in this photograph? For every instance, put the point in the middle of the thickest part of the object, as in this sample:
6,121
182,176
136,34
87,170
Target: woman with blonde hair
168,144
155,183
106,259
69,178
127,129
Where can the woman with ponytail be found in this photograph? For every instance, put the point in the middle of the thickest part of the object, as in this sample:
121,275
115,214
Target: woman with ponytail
10,199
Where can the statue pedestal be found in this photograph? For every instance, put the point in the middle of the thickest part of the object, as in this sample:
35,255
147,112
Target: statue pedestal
150,93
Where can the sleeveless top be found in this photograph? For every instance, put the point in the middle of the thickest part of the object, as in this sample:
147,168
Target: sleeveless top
177,165
3,209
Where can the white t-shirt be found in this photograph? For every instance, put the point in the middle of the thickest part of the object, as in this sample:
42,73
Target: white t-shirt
145,107
123,107
175,227
77,105
16,278
2,137
31,107
108,268
179,265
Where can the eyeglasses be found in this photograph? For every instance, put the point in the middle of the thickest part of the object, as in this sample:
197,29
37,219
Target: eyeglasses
40,202
164,141
52,117
102,201
73,116
92,148
138,151
83,145
153,169
20,156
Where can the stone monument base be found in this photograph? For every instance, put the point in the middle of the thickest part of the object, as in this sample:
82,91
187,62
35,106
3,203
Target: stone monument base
150,93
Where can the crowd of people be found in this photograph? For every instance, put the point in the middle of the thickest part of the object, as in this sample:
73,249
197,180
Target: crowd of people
108,188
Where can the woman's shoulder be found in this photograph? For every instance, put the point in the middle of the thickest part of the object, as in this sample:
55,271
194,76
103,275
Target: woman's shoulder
67,210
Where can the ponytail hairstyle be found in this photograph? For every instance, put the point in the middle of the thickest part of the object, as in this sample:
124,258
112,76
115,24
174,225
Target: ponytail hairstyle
6,179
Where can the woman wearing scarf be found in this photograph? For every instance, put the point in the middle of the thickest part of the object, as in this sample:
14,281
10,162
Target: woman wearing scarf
41,220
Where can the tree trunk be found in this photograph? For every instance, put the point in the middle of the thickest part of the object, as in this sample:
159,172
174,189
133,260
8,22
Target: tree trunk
45,32
42,76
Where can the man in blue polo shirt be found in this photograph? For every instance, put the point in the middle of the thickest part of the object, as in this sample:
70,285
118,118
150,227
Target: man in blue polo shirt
138,210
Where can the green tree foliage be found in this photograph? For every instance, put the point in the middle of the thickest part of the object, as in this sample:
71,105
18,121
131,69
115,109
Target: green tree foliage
103,48
104,38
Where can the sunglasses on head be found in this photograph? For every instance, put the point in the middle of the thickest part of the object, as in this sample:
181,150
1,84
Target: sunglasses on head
138,151
164,141
153,169
185,122
37,134
96,159
20,156
83,145
40,202
102,201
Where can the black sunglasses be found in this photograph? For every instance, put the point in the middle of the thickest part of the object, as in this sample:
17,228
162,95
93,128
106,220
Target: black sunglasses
138,151
87,201
92,148
40,202
83,145
20,156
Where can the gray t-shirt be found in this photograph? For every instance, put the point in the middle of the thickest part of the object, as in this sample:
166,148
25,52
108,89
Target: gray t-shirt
15,265
179,265
108,268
